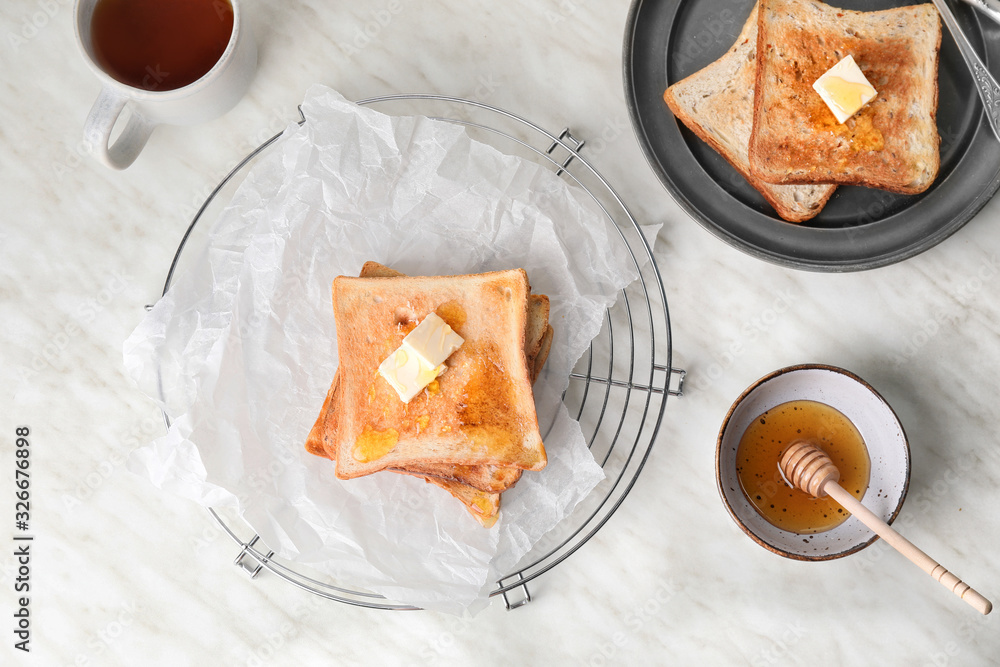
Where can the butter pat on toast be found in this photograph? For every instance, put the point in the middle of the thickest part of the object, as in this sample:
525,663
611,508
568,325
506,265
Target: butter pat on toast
479,412
717,104
892,143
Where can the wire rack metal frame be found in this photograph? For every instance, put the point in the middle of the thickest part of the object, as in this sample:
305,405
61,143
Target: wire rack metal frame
654,380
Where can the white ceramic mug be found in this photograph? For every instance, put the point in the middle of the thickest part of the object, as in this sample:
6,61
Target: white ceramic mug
215,93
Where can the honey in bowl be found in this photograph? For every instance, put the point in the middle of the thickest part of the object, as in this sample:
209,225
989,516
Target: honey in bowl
160,44
760,449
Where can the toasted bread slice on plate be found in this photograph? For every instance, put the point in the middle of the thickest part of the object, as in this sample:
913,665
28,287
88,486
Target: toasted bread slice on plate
892,143
717,104
481,411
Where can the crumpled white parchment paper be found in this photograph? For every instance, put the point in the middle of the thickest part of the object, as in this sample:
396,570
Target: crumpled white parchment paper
241,350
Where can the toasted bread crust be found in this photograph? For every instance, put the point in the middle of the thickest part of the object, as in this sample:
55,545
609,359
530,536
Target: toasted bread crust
489,478
717,104
544,347
484,505
536,328
892,143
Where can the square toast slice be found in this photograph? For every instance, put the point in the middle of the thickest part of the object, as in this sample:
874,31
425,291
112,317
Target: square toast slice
537,344
480,411
892,143
717,104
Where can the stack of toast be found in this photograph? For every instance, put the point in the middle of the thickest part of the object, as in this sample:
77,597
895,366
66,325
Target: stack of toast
756,105
473,430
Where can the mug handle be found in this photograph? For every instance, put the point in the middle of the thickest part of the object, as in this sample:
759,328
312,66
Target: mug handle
101,121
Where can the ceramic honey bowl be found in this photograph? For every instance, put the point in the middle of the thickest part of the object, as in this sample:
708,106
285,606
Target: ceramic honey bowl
845,417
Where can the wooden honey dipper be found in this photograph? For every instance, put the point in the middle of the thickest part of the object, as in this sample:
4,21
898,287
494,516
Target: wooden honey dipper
808,468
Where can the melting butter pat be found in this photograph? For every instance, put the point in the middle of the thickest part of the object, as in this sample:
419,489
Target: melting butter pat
407,372
845,89
433,340
420,358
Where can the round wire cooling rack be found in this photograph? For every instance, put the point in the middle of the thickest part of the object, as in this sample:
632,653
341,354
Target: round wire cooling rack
618,390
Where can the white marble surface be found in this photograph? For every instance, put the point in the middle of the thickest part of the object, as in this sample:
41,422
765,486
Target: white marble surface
123,574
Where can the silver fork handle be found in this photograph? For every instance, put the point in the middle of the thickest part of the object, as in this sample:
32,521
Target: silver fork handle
990,8
986,85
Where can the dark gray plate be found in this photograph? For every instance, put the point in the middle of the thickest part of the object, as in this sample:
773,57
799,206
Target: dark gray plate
860,228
